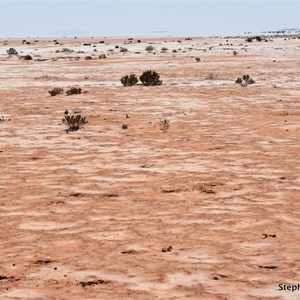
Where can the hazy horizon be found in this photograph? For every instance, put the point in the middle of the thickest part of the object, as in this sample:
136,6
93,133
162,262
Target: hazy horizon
23,19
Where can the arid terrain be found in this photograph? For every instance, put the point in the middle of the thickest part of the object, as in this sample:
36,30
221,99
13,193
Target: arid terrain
207,209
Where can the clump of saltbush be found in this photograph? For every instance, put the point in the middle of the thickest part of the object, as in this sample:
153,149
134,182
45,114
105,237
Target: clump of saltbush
27,57
129,80
245,80
150,78
73,91
12,51
74,122
149,48
55,91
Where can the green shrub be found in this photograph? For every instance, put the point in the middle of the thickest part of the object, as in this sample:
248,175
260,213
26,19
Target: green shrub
73,91
74,122
150,78
55,91
129,80
12,51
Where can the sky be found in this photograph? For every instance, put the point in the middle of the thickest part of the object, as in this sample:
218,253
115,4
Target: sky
41,18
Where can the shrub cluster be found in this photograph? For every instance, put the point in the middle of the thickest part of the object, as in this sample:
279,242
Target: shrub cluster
55,91
27,57
74,122
12,51
129,80
73,91
245,80
148,78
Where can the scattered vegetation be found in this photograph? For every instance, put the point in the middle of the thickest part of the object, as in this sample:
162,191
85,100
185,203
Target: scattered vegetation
75,122
55,91
102,56
149,48
129,80
123,49
88,58
245,80
235,53
73,91
12,51
27,57
150,78
164,50
164,125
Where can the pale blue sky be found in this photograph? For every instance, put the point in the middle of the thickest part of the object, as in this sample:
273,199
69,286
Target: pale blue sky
144,18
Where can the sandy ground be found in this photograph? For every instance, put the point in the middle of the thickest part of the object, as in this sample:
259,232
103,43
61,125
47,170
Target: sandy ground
86,215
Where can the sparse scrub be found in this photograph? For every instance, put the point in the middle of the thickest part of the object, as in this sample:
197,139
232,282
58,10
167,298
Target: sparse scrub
66,50
150,78
245,80
73,91
123,49
26,57
88,58
55,91
149,48
164,50
129,80
102,56
74,122
12,51
164,125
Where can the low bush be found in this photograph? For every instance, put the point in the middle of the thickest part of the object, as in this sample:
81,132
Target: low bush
129,80
149,48
164,125
55,91
12,51
150,78
245,80
73,91
27,57
74,122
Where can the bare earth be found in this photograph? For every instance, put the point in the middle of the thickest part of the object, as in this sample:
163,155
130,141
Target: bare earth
86,215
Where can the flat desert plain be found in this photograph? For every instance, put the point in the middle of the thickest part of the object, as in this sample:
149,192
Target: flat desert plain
207,209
